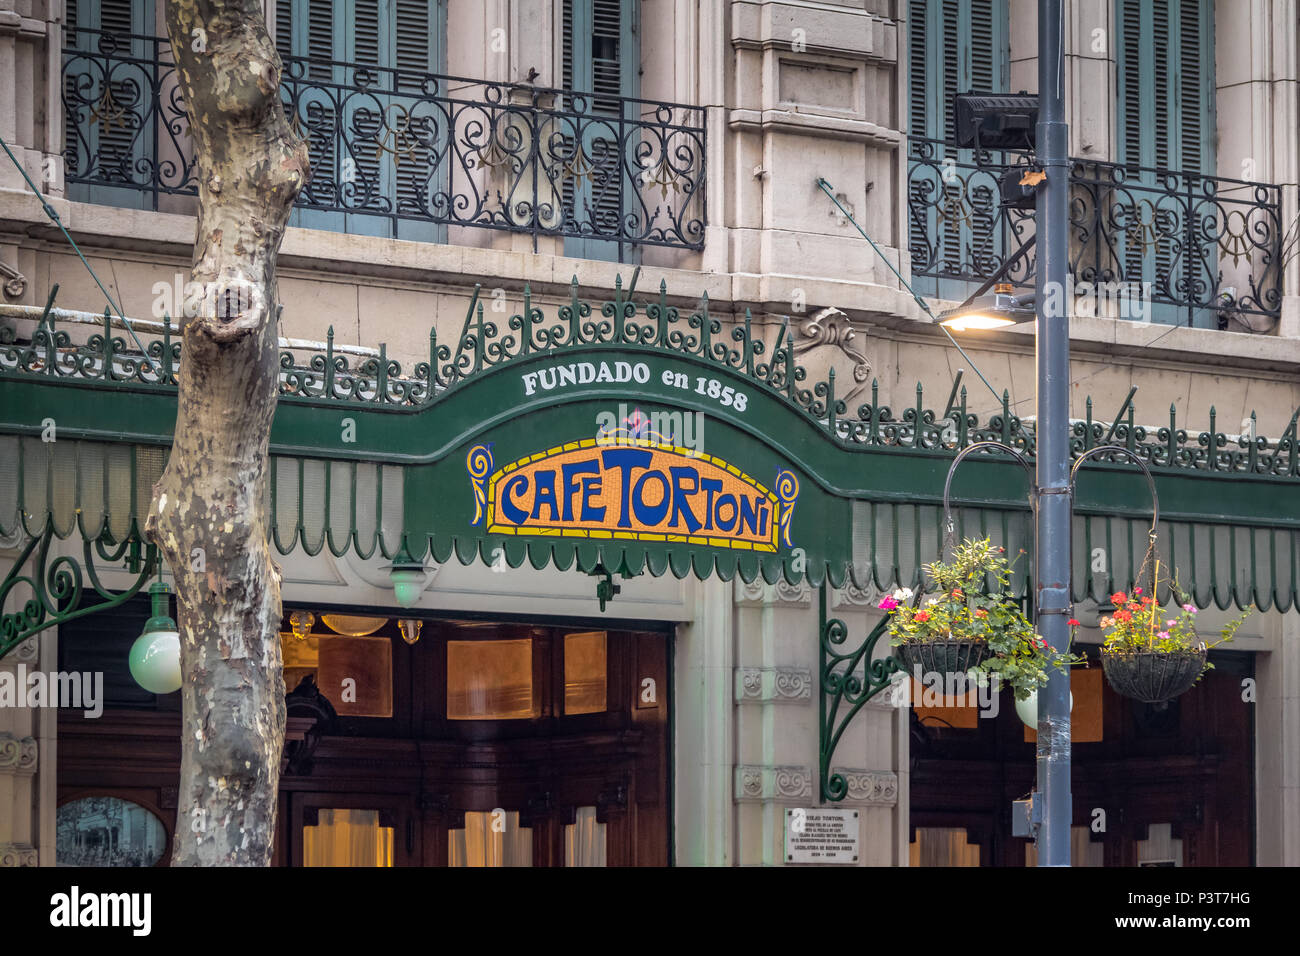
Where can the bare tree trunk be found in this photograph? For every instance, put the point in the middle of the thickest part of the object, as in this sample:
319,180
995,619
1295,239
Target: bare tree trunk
209,513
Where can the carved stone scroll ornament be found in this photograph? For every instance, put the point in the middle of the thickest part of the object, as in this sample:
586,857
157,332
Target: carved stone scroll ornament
830,326
775,684
15,283
17,754
877,788
16,854
773,783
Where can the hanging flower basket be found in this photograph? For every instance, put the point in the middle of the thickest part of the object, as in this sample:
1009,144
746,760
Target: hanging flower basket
1153,677
1153,654
963,624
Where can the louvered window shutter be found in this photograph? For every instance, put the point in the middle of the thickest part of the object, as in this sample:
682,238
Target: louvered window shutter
1165,61
110,139
421,186
601,59
955,46
284,27
360,136
1165,121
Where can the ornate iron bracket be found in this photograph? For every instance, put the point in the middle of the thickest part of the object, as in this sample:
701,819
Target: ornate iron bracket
57,585
849,679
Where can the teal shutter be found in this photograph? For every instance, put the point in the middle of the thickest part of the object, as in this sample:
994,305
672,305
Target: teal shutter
954,46
1165,61
1165,121
358,137
110,150
601,55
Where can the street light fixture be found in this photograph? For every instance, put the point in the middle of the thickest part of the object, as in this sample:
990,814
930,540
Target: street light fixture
1000,309
408,577
155,658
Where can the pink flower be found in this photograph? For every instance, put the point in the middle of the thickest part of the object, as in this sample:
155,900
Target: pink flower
1163,635
887,604
1137,590
1171,622
1189,608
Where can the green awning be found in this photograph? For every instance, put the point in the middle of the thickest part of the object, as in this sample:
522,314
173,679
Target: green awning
643,441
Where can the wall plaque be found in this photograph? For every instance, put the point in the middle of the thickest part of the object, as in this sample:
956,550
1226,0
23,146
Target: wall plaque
821,835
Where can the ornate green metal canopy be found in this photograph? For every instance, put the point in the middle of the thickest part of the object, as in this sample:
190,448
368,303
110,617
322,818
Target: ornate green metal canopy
630,436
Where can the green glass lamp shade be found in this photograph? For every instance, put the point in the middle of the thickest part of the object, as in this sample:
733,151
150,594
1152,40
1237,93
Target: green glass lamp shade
156,661
407,585
408,578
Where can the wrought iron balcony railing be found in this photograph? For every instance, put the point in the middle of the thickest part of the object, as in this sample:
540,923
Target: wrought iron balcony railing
405,154
1198,248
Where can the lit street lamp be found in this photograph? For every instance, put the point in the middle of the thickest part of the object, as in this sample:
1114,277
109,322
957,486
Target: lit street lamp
999,310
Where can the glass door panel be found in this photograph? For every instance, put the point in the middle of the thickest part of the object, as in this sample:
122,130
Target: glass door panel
350,829
347,838
584,840
490,839
943,846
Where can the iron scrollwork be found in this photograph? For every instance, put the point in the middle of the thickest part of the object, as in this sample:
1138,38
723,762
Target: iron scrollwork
58,585
1202,249
419,150
849,679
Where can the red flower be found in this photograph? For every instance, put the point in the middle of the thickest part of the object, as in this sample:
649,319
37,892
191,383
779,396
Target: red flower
1119,597
922,615
1123,615
1072,622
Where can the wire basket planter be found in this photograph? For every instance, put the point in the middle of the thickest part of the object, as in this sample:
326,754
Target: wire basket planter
942,657
1153,677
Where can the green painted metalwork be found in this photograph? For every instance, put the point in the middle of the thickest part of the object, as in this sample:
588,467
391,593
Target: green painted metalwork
848,679
57,586
653,326
364,441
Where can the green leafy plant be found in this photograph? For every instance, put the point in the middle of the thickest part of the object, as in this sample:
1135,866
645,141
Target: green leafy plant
969,600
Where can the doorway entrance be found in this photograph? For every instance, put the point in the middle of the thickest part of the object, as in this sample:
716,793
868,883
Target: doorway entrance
1154,785
482,743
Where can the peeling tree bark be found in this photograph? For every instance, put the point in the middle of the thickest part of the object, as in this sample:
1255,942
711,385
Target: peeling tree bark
209,513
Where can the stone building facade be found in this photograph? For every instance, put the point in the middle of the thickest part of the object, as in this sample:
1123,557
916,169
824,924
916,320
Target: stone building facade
776,95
